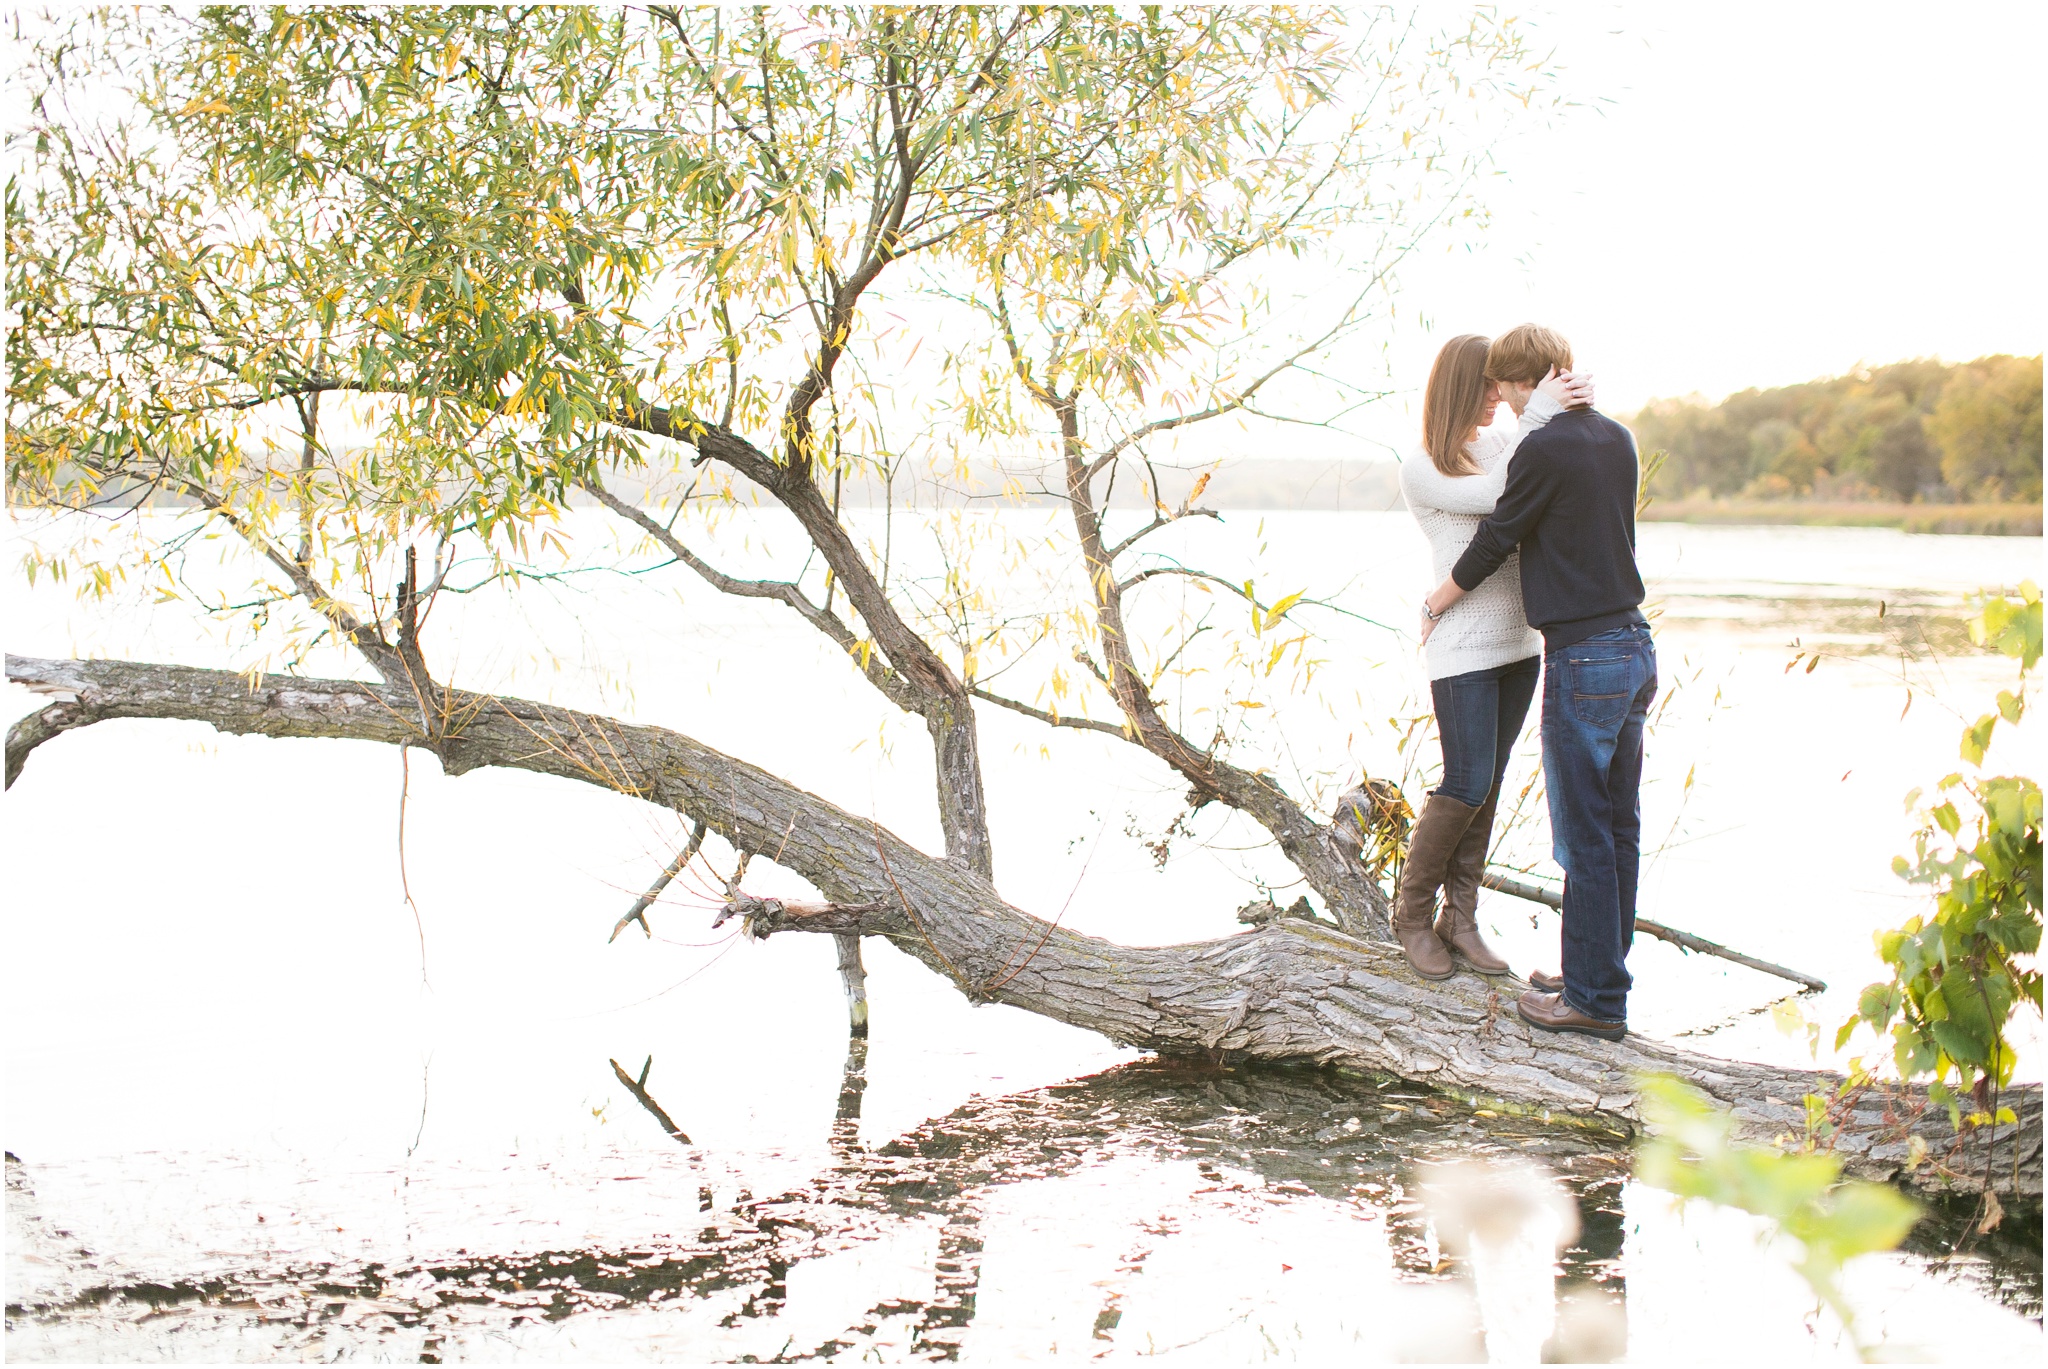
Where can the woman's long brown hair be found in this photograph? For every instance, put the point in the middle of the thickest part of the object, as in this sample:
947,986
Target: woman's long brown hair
1451,404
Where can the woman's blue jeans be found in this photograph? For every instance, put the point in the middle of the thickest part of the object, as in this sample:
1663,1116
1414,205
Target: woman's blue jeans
1478,717
1596,699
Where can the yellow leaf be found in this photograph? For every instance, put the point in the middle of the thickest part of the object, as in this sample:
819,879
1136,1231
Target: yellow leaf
1279,610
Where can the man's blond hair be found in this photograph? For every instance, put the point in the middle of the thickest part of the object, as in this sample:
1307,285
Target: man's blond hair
1525,353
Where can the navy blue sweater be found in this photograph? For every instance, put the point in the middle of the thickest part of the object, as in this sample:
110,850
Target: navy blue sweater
1570,505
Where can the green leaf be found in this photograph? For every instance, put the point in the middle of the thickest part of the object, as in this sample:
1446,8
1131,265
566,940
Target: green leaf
1859,1219
1976,739
1877,1005
1959,1044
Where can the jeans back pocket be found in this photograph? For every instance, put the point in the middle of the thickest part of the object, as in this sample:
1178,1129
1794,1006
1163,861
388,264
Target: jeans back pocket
1600,689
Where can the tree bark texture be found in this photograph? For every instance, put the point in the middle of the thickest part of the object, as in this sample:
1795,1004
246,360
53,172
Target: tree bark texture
1287,992
853,977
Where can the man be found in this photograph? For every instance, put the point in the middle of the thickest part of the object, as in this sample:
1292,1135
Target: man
1570,505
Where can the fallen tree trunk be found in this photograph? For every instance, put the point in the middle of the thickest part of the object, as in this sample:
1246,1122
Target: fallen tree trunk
1290,991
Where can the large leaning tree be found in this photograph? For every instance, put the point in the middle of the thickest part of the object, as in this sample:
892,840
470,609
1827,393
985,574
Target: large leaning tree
383,292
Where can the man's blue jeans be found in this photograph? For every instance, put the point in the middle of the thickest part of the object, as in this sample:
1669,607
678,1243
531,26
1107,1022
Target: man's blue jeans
1596,698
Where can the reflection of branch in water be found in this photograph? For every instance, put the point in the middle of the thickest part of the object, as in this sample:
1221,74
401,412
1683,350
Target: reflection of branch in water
1284,1136
1592,1289
1150,1234
1411,1238
638,1088
853,1083
1739,1015
1292,1136
426,1074
946,1317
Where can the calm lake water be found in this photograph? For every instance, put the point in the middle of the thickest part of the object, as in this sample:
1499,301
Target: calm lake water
241,1125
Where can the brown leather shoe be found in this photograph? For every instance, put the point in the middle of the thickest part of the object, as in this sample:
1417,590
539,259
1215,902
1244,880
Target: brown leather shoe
1430,845
1549,1012
1457,926
1548,983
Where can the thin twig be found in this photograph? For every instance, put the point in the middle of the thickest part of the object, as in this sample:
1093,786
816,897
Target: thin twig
1053,925
1536,893
404,791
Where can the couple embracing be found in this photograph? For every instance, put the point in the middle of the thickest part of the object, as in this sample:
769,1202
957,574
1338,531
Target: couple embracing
1532,532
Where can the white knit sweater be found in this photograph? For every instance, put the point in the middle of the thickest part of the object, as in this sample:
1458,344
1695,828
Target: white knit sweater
1486,628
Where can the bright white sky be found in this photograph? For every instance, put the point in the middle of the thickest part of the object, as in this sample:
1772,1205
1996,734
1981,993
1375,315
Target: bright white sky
1757,194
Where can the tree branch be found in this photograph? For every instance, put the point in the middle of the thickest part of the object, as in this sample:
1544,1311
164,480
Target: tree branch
1162,521
1054,719
638,912
368,638
871,666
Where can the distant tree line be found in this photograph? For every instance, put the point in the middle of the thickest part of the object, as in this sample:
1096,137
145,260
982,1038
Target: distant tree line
1916,430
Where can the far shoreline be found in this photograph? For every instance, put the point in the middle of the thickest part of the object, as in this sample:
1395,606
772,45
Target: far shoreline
1982,520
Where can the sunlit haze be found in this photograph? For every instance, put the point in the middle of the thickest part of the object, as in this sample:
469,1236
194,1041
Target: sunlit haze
1754,194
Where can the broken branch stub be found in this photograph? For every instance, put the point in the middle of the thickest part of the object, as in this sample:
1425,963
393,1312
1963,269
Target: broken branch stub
638,912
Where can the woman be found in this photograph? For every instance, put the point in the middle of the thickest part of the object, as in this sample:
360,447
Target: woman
1483,656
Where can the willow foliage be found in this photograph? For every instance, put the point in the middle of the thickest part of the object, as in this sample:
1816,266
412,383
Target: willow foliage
521,239
379,290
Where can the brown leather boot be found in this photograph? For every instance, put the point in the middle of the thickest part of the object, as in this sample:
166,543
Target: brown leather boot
1430,845
1550,1012
1457,926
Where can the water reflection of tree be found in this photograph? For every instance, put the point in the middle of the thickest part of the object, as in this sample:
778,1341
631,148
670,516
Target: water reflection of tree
1302,1132
1254,1129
